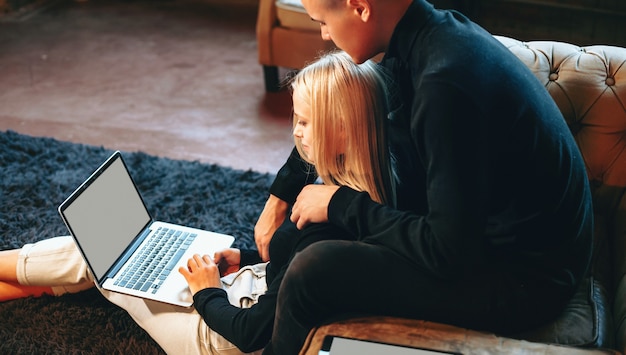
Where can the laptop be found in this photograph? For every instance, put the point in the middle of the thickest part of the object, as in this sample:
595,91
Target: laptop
125,249
337,345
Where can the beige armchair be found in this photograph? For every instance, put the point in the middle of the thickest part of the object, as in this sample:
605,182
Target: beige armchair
286,37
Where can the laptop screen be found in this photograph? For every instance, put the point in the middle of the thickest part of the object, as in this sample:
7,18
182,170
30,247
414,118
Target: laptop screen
334,345
105,214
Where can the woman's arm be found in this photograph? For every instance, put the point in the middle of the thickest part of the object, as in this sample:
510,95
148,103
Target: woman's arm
250,329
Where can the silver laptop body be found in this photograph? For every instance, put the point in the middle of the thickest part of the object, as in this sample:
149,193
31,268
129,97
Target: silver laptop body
126,250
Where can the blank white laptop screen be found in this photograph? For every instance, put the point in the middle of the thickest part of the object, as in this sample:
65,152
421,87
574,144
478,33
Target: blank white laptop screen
93,210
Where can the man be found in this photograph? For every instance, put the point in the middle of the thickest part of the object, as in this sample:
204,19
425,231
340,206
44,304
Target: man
493,221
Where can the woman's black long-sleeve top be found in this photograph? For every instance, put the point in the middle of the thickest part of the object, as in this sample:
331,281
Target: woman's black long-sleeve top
250,329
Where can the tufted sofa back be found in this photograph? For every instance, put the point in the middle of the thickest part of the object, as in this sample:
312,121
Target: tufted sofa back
589,86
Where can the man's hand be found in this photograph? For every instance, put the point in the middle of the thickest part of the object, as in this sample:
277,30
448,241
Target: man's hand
200,273
272,216
312,205
228,260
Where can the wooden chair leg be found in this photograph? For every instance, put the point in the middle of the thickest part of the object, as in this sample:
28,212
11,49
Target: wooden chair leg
270,76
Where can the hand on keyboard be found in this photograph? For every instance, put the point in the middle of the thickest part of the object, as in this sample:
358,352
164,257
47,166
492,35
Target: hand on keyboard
201,272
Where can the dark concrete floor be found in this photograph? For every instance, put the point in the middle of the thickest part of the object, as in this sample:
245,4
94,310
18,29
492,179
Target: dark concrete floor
171,78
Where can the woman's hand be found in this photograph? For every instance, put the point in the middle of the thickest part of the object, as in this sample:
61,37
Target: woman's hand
201,273
272,216
228,260
312,205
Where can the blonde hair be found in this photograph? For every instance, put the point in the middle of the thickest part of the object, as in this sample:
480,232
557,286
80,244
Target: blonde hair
348,107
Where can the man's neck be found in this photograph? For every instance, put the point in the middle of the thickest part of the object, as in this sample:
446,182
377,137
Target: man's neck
390,12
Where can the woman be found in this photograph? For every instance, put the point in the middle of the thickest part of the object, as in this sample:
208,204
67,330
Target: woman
338,116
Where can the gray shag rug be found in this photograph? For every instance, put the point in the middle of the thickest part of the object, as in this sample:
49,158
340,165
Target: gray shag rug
37,174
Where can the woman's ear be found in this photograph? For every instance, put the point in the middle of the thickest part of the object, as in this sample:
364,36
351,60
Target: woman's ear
360,8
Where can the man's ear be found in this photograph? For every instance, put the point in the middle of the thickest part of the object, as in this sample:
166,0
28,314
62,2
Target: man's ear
361,8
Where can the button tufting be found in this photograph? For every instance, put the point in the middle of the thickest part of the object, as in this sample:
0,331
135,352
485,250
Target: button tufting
610,81
575,127
553,76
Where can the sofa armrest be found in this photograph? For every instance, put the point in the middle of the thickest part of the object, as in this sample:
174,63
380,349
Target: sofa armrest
433,336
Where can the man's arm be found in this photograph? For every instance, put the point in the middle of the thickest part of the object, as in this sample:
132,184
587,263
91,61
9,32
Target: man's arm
272,216
290,179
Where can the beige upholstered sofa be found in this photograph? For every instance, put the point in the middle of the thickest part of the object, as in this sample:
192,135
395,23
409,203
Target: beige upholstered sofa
589,86
286,37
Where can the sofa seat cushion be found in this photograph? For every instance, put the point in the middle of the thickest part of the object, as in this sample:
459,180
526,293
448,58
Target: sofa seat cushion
291,14
585,322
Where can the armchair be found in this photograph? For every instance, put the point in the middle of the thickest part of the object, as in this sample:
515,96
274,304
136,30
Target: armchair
286,37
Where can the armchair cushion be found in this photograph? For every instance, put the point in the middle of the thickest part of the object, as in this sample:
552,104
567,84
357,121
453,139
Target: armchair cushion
291,14
286,37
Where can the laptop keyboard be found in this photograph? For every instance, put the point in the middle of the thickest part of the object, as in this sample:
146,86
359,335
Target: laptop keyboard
149,268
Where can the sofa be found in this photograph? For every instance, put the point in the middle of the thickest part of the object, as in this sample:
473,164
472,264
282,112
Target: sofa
589,86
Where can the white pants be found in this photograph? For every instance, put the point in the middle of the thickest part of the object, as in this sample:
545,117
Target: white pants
57,262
